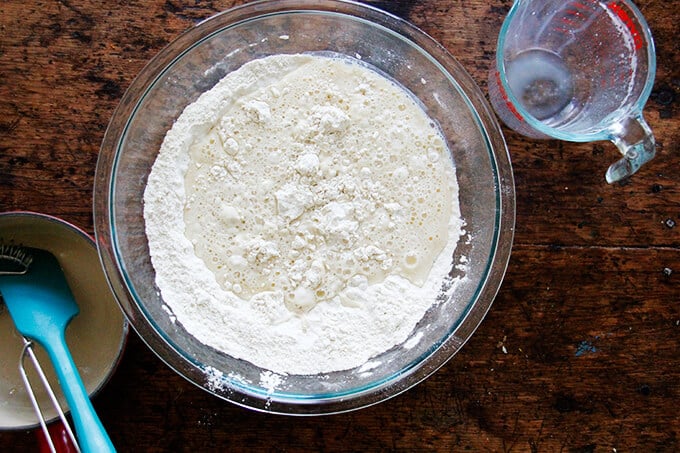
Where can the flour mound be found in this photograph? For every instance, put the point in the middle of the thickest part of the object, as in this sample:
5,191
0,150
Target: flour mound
302,214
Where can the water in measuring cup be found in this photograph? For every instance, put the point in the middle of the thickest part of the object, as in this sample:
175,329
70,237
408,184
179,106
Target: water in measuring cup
541,82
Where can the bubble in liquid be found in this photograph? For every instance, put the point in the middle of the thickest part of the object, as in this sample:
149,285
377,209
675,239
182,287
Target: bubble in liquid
411,260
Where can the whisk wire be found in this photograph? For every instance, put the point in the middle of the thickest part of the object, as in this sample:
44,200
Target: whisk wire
14,260
27,350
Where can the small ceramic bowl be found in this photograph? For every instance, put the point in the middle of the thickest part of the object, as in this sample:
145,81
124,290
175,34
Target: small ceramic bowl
96,336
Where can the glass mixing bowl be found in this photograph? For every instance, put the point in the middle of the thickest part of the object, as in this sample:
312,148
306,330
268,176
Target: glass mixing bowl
192,64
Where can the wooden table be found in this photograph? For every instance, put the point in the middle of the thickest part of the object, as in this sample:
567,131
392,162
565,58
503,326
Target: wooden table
580,351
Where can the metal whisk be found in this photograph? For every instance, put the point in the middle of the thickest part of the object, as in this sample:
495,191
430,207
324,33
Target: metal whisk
41,305
27,351
16,262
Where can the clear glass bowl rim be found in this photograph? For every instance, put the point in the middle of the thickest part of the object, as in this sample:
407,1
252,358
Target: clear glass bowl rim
497,262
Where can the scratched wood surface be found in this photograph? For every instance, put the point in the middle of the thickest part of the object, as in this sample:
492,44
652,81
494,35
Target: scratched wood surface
580,351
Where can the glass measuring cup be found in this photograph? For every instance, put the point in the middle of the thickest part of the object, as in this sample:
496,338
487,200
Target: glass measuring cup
580,71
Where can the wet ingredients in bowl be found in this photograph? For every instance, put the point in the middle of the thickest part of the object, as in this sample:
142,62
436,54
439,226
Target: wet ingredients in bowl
302,214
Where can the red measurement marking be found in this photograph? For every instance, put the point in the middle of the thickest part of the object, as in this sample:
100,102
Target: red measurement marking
563,30
504,95
572,17
588,6
628,22
575,12
568,21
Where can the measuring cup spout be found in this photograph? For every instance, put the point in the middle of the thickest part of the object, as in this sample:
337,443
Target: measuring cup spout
635,141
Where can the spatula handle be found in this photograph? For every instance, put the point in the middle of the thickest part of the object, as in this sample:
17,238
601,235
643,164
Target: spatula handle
92,436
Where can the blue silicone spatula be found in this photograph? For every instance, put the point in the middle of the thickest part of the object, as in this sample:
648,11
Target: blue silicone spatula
41,305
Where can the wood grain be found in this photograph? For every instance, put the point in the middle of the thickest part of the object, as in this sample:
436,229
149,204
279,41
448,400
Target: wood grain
579,352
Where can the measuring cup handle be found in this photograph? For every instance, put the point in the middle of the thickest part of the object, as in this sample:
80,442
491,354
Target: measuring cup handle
635,141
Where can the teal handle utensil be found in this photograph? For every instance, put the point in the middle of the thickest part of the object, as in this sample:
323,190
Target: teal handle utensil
41,305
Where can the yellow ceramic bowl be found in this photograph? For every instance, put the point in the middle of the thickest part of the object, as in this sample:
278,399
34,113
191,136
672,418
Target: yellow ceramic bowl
96,336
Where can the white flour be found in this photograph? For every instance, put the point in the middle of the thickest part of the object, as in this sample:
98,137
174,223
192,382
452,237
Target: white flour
302,215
